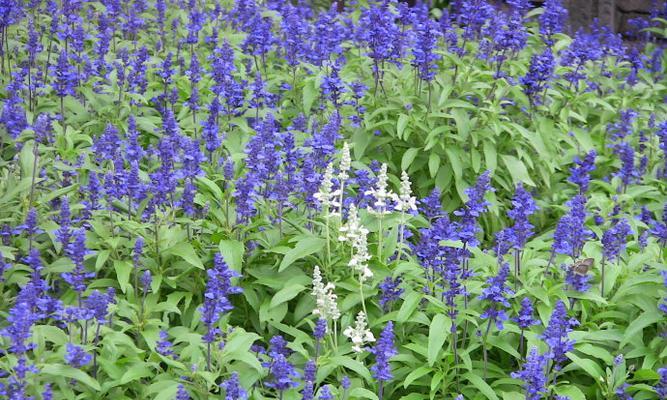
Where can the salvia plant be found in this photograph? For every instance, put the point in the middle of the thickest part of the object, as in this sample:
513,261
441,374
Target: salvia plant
359,200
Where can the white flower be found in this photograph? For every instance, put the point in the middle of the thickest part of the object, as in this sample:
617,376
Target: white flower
360,258
352,229
380,193
345,163
404,200
359,334
355,233
325,298
326,196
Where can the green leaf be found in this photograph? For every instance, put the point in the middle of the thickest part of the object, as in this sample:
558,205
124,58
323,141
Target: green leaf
123,272
409,305
408,158
517,170
490,155
303,248
641,322
135,372
414,375
481,385
232,251
597,352
168,392
571,391
455,161
433,164
587,365
513,396
286,294
60,370
437,333
401,124
351,364
361,392
310,93
186,252
212,187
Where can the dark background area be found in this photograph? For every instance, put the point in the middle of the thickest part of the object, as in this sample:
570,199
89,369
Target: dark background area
617,14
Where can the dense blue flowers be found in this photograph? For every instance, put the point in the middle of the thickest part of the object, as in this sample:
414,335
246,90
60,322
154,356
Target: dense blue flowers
614,239
76,251
384,350
216,297
424,58
576,281
552,20
98,303
193,125
496,294
64,74
525,317
556,335
523,206
181,393
627,173
540,71
571,232
164,347
661,387
283,373
533,375
76,356
233,389
320,329
580,174
390,291
468,226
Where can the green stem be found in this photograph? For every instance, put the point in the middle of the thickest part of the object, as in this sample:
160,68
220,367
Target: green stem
361,293
486,335
380,234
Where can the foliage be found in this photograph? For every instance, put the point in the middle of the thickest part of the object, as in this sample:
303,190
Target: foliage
272,201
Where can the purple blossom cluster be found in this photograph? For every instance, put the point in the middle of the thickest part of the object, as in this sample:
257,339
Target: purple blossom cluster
211,128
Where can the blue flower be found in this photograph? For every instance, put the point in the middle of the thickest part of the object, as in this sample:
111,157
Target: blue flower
76,252
233,389
580,174
571,232
164,347
390,291
525,317
622,392
98,303
426,38
325,393
468,226
320,329
65,77
384,350
181,393
556,335
523,207
282,374
216,302
495,293
77,356
661,387
575,281
614,239
626,154
552,20
533,375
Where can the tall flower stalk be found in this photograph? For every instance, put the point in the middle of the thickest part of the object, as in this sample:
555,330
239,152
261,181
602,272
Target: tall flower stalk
380,206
